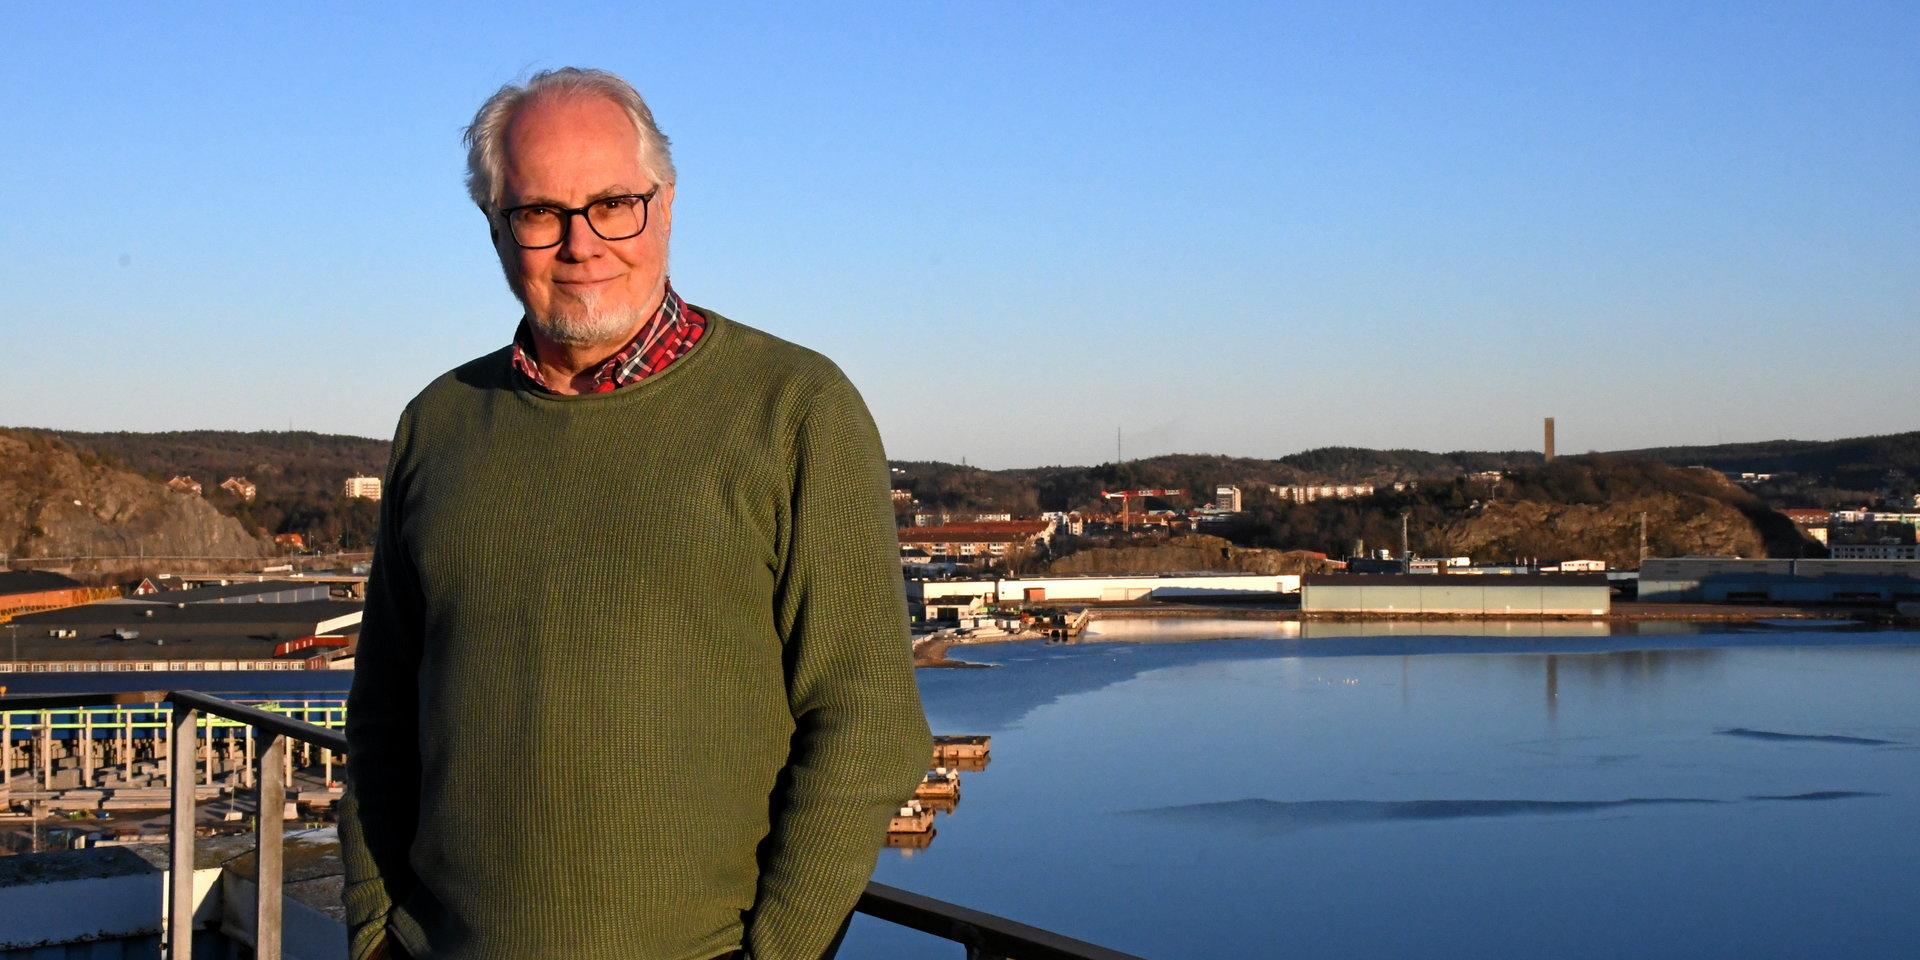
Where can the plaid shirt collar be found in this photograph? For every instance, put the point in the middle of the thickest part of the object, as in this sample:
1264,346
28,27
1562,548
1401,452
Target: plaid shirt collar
671,332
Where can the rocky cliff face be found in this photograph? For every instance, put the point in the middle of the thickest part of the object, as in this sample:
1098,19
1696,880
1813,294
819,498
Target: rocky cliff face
1696,514
57,501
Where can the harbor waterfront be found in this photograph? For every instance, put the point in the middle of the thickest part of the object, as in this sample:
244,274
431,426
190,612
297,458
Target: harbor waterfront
1202,788
1473,788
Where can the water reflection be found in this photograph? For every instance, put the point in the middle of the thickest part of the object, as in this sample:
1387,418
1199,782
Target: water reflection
1607,658
1329,629
1772,736
1277,815
1553,684
1720,787
1194,628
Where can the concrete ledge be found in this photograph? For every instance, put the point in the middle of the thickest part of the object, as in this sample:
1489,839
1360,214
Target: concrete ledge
85,896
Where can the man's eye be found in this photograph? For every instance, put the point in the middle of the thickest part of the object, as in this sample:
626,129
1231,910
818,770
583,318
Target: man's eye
535,214
615,204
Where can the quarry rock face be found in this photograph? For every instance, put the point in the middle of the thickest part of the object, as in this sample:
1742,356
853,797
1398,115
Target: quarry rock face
1677,525
56,501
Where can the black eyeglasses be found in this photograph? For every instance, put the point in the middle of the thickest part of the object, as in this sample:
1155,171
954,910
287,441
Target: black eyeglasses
537,226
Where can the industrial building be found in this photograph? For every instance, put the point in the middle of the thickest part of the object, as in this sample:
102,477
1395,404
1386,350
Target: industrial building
1519,595
30,591
266,591
142,635
931,600
1727,579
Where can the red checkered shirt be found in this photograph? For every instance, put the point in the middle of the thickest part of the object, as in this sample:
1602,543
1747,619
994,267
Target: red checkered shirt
672,331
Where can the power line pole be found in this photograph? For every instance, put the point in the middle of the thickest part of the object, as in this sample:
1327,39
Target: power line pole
1643,538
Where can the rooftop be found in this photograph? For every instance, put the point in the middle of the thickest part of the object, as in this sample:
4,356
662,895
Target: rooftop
200,631
34,581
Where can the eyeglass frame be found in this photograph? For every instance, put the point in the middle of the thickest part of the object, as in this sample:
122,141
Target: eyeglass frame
567,214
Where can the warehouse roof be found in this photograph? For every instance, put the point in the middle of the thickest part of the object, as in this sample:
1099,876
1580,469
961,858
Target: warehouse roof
34,581
235,591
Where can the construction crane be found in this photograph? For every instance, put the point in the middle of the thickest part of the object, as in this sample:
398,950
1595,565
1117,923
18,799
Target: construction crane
1126,498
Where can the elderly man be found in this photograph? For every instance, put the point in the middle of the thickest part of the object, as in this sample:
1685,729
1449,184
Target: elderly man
634,677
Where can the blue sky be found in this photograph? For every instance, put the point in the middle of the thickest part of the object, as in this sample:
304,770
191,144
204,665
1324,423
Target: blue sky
1243,229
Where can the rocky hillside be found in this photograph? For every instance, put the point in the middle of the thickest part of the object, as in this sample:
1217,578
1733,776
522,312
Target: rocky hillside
1584,508
1677,525
1590,508
1193,553
298,476
60,501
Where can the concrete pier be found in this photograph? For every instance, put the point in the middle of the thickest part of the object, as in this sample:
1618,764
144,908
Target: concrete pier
107,761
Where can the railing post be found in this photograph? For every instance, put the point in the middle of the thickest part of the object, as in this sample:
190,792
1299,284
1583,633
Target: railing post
269,835
180,873
46,750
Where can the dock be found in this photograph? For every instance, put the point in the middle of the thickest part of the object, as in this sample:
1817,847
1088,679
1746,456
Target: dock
109,764
963,747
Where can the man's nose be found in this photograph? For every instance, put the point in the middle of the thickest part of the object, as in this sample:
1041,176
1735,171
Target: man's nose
579,241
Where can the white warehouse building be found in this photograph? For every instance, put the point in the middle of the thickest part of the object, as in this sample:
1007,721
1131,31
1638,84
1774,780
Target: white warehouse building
948,599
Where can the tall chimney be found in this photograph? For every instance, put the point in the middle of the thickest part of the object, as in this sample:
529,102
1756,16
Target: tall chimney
1549,440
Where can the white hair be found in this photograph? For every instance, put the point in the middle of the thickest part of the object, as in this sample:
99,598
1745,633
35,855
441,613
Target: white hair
486,137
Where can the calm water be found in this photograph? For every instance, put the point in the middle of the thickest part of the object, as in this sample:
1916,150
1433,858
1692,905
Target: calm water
1379,790
1747,793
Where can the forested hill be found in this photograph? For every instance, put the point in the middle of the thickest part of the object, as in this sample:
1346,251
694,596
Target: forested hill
1584,507
312,465
299,476
1858,463
1348,464
281,462
1836,470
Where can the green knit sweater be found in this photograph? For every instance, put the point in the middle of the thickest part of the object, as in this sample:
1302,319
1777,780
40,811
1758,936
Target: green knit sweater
634,678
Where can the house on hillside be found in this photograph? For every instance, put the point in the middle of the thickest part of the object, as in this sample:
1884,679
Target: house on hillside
240,487
184,484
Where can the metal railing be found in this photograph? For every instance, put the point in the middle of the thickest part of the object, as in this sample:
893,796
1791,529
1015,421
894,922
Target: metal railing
984,935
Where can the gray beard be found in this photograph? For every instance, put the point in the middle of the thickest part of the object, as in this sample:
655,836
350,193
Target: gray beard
586,326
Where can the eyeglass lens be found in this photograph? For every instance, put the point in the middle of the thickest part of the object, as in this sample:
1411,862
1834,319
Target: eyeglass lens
615,218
